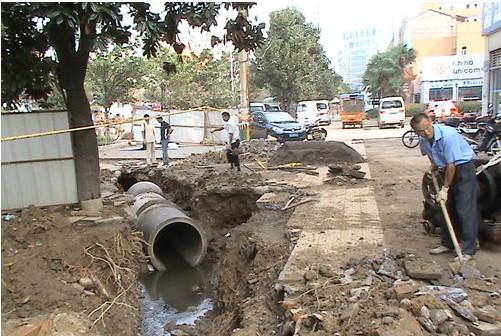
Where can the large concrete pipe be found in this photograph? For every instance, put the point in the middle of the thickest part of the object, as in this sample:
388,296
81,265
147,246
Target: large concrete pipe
144,187
173,238
143,201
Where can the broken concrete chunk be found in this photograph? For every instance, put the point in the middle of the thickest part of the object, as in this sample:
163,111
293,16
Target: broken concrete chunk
469,272
335,169
426,323
425,312
462,310
443,292
479,285
488,314
486,329
438,316
390,268
418,269
404,289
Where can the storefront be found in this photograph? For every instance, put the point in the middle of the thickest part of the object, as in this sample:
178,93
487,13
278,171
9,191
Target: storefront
458,78
491,29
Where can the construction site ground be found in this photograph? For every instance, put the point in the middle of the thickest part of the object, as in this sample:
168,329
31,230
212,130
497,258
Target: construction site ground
310,269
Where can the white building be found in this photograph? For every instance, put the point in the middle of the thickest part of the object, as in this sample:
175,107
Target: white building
358,47
459,78
491,29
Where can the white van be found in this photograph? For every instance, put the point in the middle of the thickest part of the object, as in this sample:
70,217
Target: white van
313,110
391,112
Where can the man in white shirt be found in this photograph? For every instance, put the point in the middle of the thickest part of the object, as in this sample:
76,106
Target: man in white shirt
233,135
148,131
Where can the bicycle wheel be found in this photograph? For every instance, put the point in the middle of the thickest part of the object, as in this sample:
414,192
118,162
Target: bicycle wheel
410,139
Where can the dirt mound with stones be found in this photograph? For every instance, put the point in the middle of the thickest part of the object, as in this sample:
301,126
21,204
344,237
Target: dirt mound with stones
62,275
315,153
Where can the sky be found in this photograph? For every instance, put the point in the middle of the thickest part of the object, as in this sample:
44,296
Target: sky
335,17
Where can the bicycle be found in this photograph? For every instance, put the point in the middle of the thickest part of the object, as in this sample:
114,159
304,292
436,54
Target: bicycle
410,139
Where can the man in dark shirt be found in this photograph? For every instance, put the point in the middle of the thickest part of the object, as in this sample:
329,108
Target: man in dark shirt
165,132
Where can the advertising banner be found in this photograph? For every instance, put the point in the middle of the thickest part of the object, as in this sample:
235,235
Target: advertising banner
452,67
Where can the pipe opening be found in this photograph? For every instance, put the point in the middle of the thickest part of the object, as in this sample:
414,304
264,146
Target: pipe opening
178,244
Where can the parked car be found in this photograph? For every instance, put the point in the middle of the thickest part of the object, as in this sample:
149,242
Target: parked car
391,112
442,109
257,107
279,125
312,111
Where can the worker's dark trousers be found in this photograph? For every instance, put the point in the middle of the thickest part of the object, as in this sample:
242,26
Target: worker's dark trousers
232,157
463,209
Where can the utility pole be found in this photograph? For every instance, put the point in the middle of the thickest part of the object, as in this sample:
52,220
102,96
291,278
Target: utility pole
243,60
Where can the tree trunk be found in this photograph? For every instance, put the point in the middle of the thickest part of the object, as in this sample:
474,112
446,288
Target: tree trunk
84,144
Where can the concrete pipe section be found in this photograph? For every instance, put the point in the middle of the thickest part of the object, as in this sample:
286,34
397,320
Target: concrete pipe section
144,187
173,238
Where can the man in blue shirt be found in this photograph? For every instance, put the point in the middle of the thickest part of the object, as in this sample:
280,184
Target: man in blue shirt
165,132
447,149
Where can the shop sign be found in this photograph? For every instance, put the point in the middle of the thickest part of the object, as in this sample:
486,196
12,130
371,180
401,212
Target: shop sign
452,67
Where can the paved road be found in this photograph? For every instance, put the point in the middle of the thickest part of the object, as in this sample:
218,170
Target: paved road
122,151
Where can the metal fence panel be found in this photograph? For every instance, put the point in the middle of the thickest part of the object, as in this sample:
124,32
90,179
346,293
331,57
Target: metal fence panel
38,171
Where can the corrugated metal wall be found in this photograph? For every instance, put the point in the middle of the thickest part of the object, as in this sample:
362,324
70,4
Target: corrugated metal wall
38,171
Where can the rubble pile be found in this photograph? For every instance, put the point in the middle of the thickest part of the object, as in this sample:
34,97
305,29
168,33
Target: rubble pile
392,295
341,174
249,151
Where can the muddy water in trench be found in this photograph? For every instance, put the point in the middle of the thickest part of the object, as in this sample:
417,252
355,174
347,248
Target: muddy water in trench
178,296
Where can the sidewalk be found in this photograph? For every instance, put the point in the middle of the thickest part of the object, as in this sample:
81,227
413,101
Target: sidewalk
344,223
122,151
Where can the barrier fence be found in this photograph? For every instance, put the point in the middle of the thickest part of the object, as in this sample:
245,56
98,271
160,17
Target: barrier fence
199,126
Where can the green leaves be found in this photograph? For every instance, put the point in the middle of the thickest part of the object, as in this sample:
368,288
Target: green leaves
385,70
292,63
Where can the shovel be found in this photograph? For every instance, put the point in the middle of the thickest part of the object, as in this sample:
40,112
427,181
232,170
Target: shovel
448,221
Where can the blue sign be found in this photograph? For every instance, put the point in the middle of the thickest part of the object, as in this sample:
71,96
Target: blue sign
491,17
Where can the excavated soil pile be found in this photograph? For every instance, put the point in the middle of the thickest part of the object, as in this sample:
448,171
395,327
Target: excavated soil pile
315,153
59,275
249,151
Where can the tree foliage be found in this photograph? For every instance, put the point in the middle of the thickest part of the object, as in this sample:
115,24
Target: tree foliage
71,30
112,76
385,70
292,63
198,81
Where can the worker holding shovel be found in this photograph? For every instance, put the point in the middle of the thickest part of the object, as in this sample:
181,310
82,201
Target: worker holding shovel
233,140
447,150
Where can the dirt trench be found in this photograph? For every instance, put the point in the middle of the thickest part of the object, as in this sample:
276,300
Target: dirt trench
247,249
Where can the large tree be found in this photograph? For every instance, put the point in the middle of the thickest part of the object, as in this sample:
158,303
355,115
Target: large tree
385,70
292,63
72,30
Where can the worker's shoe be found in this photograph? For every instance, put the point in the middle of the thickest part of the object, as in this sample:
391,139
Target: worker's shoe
466,257
439,250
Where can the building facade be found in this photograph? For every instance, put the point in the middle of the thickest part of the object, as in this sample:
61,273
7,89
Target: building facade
491,29
447,29
359,47
458,78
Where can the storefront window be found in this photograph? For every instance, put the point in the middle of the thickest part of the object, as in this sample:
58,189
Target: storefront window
472,93
440,94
